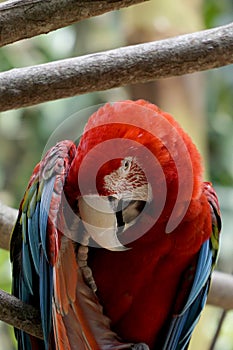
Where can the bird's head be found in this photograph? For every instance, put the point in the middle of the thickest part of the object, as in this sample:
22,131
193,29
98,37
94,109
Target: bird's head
123,191
132,154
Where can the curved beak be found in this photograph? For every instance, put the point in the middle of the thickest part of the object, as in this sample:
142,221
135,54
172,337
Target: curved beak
100,220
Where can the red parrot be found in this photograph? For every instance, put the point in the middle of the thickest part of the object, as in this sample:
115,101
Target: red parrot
117,235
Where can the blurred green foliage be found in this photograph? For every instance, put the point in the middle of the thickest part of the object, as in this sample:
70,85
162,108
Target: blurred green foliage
217,12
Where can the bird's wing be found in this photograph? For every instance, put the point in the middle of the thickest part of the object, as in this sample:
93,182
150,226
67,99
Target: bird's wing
46,270
183,324
35,241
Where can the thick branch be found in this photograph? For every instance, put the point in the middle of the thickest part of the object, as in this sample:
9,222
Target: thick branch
221,291
20,315
27,318
7,219
140,63
20,19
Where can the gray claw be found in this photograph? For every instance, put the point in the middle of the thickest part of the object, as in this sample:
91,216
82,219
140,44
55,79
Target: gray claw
140,346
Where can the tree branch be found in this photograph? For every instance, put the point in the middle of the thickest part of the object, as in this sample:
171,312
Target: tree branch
20,19
27,318
221,291
20,315
139,63
7,219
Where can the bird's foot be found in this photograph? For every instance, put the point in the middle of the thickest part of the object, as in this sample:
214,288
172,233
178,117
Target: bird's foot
82,257
140,346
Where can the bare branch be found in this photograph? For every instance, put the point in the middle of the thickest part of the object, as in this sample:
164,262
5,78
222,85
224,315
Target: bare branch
221,291
20,315
20,19
7,219
139,63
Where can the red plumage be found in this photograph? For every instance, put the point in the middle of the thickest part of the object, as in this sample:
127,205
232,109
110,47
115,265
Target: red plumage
139,288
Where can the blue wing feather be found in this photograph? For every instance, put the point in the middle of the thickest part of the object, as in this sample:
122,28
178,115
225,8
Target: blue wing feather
36,237
203,270
46,292
25,341
34,241
27,268
44,212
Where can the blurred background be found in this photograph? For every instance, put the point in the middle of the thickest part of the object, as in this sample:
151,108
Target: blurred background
202,103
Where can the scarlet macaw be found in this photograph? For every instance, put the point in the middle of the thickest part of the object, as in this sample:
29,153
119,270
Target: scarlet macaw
117,236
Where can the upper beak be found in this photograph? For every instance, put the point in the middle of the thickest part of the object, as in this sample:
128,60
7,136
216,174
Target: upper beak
106,217
99,219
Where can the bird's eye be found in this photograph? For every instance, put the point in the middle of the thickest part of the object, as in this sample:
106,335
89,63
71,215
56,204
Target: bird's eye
126,163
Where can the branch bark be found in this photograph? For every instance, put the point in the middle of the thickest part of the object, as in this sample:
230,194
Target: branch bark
7,219
221,291
20,19
20,315
139,63
27,318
